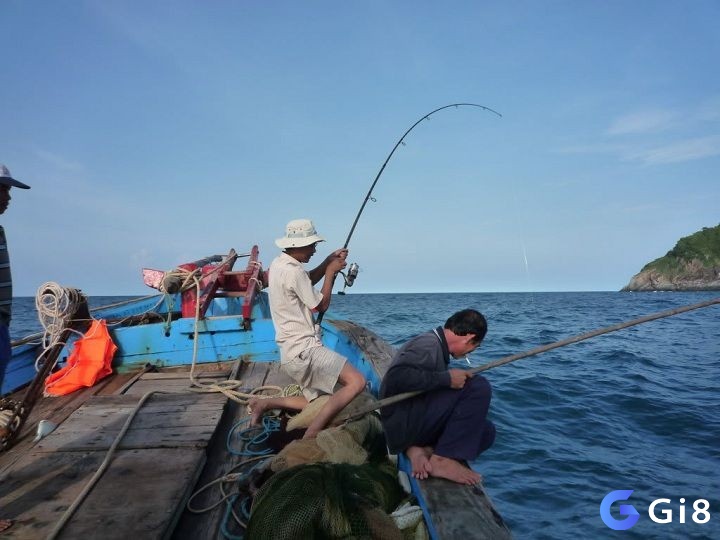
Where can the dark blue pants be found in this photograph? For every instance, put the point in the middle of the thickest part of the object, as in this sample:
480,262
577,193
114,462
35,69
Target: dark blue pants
5,351
456,423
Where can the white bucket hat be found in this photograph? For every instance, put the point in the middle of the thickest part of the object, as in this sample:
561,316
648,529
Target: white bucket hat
299,233
6,179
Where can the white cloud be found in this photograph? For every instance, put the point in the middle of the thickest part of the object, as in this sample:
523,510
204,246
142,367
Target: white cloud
648,121
686,150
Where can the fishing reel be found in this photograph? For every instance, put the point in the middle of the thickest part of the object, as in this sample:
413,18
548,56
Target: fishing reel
350,276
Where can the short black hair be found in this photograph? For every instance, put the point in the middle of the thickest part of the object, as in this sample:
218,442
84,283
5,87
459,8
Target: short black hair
468,321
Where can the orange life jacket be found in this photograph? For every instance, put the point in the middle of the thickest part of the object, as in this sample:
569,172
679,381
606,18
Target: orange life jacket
89,361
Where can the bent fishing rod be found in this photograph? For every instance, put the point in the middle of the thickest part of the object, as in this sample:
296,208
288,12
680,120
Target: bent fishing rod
544,348
354,268
390,155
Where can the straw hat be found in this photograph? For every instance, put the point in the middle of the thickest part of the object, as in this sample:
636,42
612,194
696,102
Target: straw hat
299,233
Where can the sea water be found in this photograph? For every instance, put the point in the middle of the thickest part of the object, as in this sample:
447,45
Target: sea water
637,409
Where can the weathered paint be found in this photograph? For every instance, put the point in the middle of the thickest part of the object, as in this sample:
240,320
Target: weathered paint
221,336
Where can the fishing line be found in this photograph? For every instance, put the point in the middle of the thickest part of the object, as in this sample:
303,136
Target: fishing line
521,230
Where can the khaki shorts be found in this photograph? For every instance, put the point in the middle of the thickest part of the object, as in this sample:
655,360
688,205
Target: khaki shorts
316,369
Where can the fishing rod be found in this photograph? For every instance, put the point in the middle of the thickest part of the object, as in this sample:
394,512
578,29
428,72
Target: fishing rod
354,268
544,348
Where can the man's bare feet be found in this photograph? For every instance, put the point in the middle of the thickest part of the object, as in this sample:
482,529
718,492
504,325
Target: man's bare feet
420,460
5,524
256,408
451,469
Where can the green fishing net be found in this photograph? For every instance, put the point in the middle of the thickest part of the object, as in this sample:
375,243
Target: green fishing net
327,501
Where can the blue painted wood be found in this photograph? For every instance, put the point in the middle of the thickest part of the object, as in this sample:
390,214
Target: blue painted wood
20,369
220,337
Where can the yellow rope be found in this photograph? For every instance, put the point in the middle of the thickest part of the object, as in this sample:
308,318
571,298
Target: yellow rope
228,387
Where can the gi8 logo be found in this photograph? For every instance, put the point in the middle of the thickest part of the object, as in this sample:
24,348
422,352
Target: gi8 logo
625,510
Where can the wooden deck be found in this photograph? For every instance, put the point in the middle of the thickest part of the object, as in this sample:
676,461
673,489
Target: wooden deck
157,465
220,461
175,445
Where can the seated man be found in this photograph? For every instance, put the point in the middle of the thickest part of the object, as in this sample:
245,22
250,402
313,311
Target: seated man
292,303
446,425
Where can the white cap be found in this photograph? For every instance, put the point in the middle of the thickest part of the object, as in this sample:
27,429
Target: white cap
7,179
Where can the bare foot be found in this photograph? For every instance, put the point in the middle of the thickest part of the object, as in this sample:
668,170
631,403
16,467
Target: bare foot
420,460
5,524
256,408
451,469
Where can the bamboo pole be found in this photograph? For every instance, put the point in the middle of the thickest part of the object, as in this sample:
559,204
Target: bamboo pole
544,348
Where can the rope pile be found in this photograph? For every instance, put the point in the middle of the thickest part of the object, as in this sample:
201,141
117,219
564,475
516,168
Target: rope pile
55,306
229,388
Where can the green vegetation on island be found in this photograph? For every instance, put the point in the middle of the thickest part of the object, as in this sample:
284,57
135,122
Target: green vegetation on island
692,265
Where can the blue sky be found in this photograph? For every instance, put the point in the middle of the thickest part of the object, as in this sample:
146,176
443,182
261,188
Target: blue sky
154,133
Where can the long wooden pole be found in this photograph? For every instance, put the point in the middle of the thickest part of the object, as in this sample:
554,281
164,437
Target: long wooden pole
544,348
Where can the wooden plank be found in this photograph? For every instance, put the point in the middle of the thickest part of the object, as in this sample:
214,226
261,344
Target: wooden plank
175,381
157,401
276,376
143,386
134,499
147,485
94,418
54,409
255,375
181,375
165,421
462,511
204,367
219,463
191,436
117,382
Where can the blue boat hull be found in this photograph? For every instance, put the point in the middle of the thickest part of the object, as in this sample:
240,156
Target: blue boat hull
221,336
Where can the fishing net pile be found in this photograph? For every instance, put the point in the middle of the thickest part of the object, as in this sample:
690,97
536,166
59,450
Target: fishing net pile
340,484
327,500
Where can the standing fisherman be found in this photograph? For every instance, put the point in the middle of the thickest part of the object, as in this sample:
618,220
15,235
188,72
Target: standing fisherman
292,303
6,182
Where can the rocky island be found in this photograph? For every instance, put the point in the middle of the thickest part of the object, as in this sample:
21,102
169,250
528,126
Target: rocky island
692,265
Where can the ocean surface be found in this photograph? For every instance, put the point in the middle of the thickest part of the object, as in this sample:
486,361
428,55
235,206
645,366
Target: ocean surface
638,409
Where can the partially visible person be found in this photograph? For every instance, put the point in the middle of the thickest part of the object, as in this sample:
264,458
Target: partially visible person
447,425
293,300
6,182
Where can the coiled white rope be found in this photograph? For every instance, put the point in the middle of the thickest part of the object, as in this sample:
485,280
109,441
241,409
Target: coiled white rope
55,306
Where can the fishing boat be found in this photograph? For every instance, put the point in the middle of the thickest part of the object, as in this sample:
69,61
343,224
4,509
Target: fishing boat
152,449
